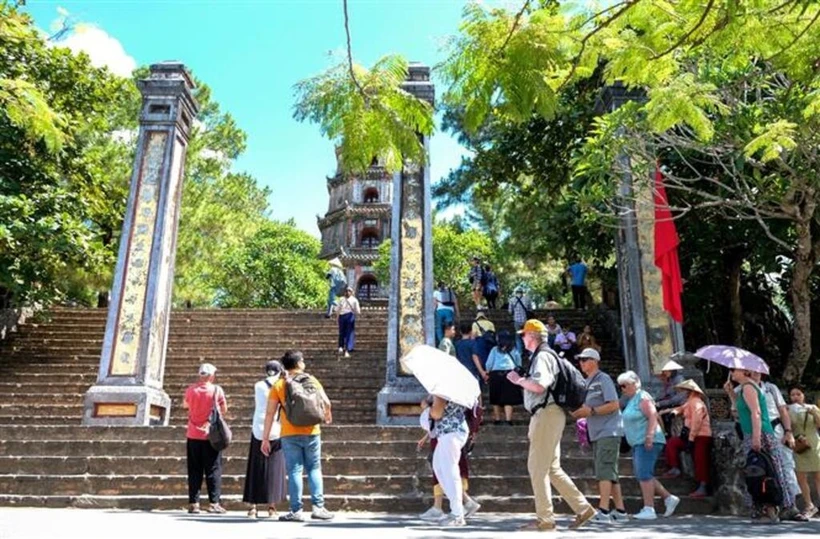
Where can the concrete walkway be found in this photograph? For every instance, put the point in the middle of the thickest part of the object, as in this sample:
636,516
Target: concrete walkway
18,523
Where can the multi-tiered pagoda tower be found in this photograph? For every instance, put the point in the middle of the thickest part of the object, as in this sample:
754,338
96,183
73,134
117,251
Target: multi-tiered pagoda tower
356,223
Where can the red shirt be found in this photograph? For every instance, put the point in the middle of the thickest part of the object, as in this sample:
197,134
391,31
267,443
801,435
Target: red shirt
200,399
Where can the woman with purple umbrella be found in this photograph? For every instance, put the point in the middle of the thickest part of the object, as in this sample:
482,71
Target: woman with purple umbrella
758,435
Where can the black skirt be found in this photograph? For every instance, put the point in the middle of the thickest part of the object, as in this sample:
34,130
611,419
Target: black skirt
265,478
503,392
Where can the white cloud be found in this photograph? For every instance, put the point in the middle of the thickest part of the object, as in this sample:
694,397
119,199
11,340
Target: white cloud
103,49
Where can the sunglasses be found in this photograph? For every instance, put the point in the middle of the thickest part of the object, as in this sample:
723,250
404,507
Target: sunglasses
623,386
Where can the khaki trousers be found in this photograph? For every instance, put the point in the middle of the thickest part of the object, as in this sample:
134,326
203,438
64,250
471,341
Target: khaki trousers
544,464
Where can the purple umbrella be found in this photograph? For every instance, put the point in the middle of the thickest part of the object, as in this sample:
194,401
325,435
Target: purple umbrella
733,358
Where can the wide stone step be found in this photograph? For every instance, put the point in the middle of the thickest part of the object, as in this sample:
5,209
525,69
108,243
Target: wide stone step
330,448
236,395
106,485
362,432
351,417
176,465
412,503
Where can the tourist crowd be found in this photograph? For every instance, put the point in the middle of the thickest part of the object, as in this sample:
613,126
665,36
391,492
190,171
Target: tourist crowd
555,374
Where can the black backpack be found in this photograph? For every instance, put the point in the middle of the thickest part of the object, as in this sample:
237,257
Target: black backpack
569,390
488,336
304,402
761,480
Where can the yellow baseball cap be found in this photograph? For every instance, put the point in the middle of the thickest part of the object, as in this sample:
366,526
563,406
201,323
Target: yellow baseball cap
533,326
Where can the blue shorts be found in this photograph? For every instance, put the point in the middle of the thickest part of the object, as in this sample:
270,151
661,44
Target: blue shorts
643,461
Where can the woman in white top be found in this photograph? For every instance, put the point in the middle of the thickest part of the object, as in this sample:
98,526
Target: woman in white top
347,311
265,479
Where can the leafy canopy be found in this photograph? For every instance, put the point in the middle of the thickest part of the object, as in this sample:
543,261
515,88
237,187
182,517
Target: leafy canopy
369,117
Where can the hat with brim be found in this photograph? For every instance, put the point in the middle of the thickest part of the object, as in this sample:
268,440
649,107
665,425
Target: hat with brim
672,366
207,369
481,313
690,385
533,326
336,263
589,353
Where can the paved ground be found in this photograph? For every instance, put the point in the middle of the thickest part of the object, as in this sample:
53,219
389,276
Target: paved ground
18,523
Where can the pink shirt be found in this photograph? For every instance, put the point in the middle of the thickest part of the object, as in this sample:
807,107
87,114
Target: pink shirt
696,417
200,399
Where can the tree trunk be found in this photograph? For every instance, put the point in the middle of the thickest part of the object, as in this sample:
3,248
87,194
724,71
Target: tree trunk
801,301
733,266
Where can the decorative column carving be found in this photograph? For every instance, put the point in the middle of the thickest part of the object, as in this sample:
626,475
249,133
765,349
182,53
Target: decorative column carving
129,384
410,313
650,336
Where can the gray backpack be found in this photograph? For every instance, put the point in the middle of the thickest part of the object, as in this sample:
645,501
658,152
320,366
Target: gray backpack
304,402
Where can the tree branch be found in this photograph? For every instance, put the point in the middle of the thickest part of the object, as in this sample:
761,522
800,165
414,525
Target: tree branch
515,24
627,6
350,54
796,38
688,34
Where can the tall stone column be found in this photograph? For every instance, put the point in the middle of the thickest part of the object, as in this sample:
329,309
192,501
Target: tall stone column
410,312
650,336
129,384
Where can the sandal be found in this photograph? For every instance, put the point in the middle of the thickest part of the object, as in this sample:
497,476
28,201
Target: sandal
252,512
272,512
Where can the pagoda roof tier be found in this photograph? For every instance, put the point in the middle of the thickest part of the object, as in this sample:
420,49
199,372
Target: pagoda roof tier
376,172
365,210
352,254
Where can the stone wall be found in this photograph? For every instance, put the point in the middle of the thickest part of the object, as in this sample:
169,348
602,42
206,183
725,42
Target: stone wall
727,465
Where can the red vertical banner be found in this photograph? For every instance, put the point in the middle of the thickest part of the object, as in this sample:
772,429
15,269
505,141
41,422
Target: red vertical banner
666,251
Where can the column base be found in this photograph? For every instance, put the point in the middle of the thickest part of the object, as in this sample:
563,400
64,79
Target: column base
398,403
129,406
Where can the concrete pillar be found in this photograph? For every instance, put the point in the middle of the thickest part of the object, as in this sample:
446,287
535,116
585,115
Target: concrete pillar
129,384
650,336
410,312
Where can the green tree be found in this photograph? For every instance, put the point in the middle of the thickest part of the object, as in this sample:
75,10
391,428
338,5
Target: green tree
513,65
278,266
453,247
57,123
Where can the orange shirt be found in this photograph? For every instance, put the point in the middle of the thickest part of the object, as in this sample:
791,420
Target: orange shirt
696,417
277,393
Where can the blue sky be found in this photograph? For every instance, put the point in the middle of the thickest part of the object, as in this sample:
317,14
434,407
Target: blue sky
251,52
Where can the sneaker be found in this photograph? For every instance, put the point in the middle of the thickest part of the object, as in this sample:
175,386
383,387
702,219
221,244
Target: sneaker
671,503
434,514
320,513
341,349
647,513
451,521
298,516
699,493
471,507
603,518
193,509
538,526
771,514
347,354
672,473
618,516
583,518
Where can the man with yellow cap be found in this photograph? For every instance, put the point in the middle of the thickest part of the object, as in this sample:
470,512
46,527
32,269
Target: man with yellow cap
547,424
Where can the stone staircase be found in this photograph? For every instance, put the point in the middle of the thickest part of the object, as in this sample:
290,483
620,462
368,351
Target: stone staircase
48,459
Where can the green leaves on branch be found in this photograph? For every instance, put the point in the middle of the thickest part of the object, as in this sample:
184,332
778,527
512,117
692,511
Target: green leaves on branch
26,107
278,266
773,140
368,117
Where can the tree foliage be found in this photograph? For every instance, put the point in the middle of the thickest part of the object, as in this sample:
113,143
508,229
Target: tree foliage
367,115
57,122
453,248
278,266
